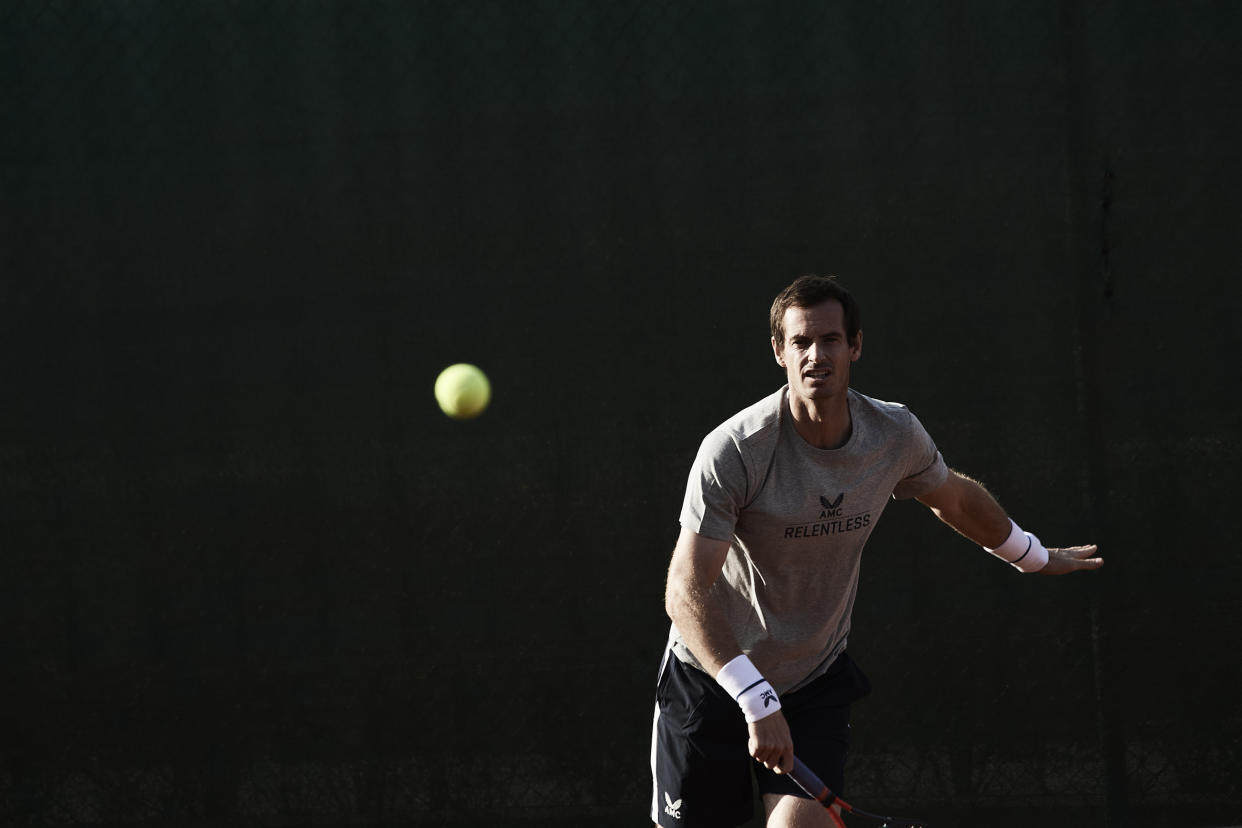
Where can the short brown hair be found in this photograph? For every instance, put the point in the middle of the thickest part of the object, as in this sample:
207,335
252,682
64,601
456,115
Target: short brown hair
807,292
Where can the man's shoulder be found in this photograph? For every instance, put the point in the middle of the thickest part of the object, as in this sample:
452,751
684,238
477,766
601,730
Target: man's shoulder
882,420
862,405
753,429
755,420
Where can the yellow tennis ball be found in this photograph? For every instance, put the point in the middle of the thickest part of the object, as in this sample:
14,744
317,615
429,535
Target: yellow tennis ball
463,391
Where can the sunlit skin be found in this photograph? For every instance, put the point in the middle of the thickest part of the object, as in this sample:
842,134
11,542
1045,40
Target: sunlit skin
816,356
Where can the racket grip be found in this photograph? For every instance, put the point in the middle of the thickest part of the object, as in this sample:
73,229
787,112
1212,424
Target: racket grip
808,781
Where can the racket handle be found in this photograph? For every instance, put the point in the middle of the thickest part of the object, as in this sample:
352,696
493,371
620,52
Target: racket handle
808,781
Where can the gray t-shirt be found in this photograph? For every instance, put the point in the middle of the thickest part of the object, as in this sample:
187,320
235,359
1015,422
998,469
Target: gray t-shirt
797,517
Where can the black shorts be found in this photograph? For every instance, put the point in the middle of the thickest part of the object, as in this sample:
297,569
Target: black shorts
701,768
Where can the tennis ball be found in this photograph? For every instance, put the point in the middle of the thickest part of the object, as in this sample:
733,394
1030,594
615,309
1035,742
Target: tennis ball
463,391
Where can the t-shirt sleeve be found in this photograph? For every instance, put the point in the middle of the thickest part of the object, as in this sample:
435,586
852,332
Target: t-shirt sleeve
716,488
925,468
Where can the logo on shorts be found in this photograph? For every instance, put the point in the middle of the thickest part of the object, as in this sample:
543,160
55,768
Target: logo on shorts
672,808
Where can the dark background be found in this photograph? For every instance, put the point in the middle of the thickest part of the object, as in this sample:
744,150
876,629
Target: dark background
252,575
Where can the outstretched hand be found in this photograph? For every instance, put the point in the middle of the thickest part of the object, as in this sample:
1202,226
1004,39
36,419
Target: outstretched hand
1071,559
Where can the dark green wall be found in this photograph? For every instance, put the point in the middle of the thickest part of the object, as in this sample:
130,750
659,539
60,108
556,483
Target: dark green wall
251,573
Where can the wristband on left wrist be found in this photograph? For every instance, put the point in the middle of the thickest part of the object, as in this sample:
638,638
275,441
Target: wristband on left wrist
1021,550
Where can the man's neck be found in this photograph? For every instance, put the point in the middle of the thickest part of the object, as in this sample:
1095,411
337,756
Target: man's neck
825,424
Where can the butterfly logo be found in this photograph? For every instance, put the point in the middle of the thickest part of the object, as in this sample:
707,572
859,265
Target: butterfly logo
672,808
832,504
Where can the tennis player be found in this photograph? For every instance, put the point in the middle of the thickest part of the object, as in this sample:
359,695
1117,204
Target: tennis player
780,501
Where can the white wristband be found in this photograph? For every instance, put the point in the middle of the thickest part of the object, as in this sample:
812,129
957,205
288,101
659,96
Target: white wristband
743,681
1021,550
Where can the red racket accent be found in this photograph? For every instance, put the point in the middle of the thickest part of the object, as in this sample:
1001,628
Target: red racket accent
808,781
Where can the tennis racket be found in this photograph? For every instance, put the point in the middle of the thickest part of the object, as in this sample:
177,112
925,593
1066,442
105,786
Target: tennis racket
814,786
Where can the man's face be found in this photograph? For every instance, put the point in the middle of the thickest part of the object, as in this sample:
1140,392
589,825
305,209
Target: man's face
816,355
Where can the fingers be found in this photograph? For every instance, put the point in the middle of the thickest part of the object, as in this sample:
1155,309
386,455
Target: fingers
775,757
1082,554
777,761
770,743
1066,559
1077,551
786,763
1085,564
780,760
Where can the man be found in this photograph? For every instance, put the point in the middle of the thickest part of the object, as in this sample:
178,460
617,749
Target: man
780,501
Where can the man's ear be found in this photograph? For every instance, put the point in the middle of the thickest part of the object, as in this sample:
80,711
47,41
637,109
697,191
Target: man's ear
776,351
856,348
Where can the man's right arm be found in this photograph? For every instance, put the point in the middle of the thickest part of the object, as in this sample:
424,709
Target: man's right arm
699,617
692,574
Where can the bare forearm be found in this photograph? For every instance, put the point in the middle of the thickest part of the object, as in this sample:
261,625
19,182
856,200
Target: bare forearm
692,600
968,507
971,510
701,620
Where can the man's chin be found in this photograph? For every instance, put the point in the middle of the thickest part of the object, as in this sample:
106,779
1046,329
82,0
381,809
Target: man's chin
821,390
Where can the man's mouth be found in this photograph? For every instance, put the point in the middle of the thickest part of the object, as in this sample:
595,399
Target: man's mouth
818,374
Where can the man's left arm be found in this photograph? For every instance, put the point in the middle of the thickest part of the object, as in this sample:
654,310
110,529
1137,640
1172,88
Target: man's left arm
971,510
